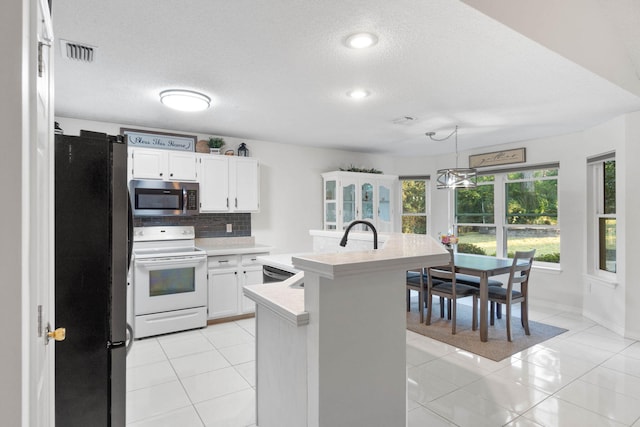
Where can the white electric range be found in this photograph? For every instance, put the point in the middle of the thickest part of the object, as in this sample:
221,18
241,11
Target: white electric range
169,281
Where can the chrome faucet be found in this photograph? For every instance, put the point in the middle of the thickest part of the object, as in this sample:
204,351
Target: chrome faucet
343,242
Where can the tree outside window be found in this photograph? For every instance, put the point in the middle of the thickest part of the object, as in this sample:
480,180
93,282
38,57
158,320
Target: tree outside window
414,206
531,206
494,219
475,218
607,218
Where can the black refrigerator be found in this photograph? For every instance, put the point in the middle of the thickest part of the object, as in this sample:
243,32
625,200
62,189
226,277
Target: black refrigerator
92,253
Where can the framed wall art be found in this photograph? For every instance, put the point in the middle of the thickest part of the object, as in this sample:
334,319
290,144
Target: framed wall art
159,140
495,158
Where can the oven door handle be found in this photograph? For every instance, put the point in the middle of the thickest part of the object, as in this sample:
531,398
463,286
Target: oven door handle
172,261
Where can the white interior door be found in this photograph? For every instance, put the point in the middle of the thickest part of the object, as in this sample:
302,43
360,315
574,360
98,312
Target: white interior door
41,228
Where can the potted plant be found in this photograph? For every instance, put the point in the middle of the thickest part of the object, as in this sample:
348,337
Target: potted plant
215,144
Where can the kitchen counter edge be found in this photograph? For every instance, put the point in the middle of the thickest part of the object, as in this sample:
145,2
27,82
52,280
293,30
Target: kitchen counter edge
281,299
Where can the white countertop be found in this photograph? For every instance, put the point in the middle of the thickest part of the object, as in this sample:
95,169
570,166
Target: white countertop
231,246
281,298
399,252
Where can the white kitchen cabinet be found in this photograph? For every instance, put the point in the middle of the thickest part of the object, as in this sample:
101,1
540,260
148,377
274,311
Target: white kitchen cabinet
244,188
223,293
251,275
228,274
213,175
228,184
350,196
148,163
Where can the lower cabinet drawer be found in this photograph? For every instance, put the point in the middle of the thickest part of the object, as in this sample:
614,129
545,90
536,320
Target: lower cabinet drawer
252,259
222,261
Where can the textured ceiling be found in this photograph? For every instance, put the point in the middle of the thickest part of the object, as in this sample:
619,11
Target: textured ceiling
278,70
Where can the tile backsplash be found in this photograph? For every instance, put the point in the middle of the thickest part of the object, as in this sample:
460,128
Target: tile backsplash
206,225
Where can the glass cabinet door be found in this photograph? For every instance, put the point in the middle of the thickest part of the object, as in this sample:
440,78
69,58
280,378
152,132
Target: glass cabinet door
384,207
366,194
348,204
330,205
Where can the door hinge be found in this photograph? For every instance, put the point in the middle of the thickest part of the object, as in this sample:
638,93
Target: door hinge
40,65
40,321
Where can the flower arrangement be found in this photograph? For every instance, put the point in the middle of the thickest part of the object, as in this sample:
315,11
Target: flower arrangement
448,239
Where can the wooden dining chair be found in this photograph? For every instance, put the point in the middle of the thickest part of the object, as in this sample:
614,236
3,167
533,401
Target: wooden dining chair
519,273
417,281
448,289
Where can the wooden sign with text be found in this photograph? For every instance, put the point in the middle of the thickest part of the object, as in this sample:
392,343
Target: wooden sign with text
161,140
505,157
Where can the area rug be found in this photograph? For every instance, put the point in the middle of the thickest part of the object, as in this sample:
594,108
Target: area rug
496,348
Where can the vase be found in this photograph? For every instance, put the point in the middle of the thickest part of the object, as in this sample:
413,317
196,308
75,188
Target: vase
214,150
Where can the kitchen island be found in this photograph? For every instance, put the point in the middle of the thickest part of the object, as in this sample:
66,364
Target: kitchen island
333,353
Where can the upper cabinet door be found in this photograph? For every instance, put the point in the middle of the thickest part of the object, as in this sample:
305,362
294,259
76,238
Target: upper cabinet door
214,183
147,163
244,184
349,202
385,209
330,204
182,166
367,201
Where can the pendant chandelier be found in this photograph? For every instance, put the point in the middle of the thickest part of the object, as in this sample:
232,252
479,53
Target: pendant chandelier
454,177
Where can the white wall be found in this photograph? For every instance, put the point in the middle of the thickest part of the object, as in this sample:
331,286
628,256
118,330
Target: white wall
631,238
13,354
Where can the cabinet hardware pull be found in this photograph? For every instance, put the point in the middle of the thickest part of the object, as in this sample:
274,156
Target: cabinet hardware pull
227,202
236,202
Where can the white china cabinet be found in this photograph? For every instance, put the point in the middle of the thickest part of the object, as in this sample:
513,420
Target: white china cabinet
350,196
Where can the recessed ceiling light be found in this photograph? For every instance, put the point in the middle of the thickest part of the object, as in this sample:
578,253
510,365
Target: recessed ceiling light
358,93
185,100
361,40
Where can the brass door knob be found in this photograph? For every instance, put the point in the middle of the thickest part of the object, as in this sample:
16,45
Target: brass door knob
58,335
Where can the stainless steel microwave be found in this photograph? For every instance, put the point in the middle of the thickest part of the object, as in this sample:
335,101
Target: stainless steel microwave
164,198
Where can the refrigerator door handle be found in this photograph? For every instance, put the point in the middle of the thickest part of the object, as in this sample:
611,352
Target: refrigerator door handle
130,232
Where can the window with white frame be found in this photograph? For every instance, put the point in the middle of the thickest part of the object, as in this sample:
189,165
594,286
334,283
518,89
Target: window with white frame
510,210
602,214
415,204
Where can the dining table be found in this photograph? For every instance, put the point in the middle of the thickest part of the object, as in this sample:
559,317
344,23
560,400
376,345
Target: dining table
482,266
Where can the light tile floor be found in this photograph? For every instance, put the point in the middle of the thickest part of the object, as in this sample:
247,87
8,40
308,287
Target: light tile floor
588,376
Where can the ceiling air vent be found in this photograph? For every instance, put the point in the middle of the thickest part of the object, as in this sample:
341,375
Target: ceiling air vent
77,51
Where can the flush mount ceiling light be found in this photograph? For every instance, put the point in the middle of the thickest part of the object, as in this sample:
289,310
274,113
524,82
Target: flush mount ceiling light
361,40
454,177
185,100
358,93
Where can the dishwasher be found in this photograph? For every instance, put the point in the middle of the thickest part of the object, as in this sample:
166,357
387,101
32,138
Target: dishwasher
272,274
